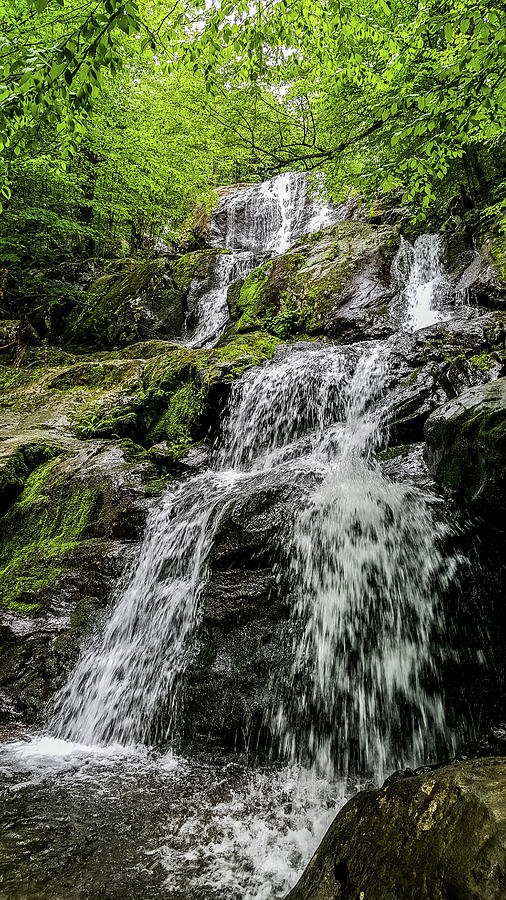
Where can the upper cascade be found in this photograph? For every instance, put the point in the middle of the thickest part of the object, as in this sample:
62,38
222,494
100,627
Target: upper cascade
255,222
268,218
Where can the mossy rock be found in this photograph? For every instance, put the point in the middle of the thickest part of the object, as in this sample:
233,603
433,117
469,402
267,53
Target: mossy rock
127,306
71,516
436,836
177,400
141,301
466,447
147,392
49,519
16,467
335,283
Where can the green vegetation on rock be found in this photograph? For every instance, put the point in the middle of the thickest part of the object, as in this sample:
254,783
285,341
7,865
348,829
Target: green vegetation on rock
467,446
38,533
300,292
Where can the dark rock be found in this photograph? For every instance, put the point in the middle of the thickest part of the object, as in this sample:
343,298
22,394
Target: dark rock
436,364
481,281
436,836
244,635
140,301
466,447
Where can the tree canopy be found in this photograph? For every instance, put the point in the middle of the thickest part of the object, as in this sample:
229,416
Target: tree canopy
116,117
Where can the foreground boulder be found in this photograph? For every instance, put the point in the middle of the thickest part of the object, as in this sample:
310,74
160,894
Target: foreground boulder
466,446
437,836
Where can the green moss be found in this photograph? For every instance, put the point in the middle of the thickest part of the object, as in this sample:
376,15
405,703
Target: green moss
498,253
9,378
243,351
252,299
483,361
16,469
394,452
94,375
173,403
12,378
34,486
187,267
37,535
181,418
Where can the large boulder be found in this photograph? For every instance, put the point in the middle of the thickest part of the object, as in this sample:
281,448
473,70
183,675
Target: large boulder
436,836
150,392
71,515
140,300
466,447
434,365
336,282
244,636
483,281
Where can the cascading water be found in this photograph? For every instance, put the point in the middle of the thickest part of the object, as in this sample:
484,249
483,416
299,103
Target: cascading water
367,574
131,672
361,560
420,274
127,680
209,308
268,218
255,223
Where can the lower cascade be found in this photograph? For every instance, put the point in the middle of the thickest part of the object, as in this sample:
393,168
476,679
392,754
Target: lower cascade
364,562
359,668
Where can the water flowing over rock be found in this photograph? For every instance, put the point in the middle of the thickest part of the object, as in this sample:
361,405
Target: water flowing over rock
420,273
312,408
269,217
305,611
367,573
208,307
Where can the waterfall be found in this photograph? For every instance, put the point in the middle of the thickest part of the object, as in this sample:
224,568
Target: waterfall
420,274
268,218
367,575
362,558
360,570
126,682
257,222
130,673
209,308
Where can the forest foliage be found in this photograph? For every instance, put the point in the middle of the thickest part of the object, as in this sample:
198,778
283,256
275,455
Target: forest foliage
117,117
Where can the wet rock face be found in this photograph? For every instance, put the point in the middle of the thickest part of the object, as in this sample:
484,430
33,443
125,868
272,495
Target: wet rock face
244,636
434,365
136,301
336,282
438,836
140,301
483,280
70,521
466,447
